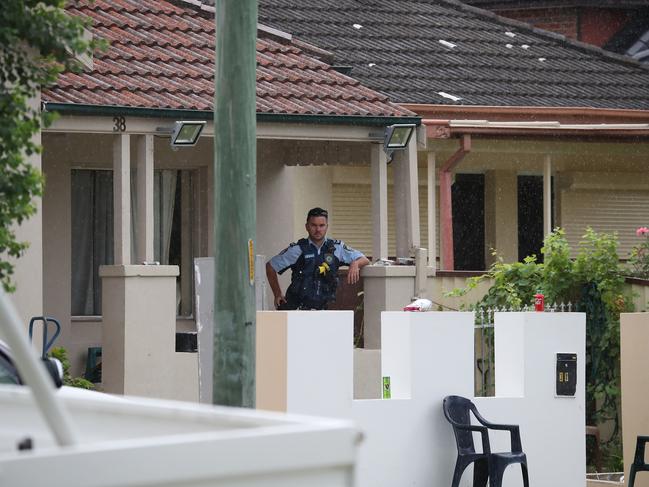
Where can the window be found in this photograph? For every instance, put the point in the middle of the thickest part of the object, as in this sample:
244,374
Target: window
92,237
92,233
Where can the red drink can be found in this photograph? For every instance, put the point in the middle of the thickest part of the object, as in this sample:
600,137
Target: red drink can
539,303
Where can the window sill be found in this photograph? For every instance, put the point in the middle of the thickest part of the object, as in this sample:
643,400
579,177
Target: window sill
92,318
183,321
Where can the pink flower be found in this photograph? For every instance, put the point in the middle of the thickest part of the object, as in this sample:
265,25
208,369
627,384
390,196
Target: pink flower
642,231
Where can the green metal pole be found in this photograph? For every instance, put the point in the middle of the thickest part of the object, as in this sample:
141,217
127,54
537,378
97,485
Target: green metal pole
234,203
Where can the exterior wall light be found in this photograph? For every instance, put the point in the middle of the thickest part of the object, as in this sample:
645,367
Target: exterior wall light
183,133
186,134
397,136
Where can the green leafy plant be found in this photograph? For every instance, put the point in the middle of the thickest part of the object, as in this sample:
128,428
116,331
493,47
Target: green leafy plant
38,40
594,283
514,283
61,354
613,457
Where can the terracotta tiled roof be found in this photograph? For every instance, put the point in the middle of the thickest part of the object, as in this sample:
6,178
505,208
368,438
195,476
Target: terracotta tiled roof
161,56
444,52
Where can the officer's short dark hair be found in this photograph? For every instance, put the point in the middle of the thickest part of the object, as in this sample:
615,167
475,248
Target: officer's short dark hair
317,211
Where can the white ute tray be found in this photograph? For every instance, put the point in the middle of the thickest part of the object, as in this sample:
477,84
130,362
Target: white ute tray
129,442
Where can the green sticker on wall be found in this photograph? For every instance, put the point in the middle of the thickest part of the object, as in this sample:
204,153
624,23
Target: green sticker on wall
386,388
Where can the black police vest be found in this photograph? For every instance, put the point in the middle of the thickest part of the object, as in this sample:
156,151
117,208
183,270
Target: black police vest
314,276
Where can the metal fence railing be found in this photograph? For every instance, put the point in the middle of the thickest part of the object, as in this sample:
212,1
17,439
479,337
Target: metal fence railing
485,372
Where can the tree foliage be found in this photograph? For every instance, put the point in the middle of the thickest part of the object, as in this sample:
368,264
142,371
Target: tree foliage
38,40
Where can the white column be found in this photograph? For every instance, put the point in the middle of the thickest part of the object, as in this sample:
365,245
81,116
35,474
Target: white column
547,195
432,211
399,196
407,198
379,203
145,198
139,332
122,198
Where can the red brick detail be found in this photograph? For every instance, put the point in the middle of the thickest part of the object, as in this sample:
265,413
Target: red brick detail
591,25
560,20
598,25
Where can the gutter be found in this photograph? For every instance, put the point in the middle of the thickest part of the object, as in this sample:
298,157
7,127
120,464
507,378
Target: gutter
112,110
441,129
529,113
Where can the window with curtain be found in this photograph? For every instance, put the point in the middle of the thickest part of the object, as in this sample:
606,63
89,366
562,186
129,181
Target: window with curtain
92,233
92,237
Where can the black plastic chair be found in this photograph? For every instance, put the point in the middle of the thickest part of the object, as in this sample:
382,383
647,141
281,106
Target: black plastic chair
489,465
638,465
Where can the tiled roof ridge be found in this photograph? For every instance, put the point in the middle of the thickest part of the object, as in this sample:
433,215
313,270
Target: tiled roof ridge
265,31
589,48
312,50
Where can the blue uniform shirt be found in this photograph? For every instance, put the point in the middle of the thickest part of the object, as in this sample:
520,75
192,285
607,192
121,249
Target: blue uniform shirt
289,256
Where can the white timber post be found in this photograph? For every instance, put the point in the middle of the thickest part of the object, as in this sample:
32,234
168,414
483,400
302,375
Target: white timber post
432,211
547,195
379,203
145,199
122,197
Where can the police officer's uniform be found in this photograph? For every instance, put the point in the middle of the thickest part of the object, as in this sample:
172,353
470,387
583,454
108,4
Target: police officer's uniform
314,271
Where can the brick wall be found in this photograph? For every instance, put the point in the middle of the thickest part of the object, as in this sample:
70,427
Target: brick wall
591,25
598,25
560,20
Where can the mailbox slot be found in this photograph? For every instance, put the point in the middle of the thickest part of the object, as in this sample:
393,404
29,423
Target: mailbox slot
566,376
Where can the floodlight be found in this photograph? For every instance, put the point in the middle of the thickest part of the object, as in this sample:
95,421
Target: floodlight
397,136
186,133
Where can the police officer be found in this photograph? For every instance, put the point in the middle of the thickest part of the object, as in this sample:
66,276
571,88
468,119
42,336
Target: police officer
314,263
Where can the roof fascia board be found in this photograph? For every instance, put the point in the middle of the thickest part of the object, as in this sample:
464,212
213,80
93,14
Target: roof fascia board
510,114
437,129
88,124
117,111
582,132
111,124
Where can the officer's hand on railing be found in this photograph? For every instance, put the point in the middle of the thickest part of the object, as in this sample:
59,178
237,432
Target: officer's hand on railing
279,300
353,274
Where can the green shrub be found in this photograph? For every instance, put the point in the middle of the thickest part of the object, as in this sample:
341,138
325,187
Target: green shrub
594,283
61,354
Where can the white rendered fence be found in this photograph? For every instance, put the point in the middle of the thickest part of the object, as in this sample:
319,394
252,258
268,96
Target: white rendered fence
305,365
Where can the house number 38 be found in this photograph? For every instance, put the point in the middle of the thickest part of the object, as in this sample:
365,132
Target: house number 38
120,124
